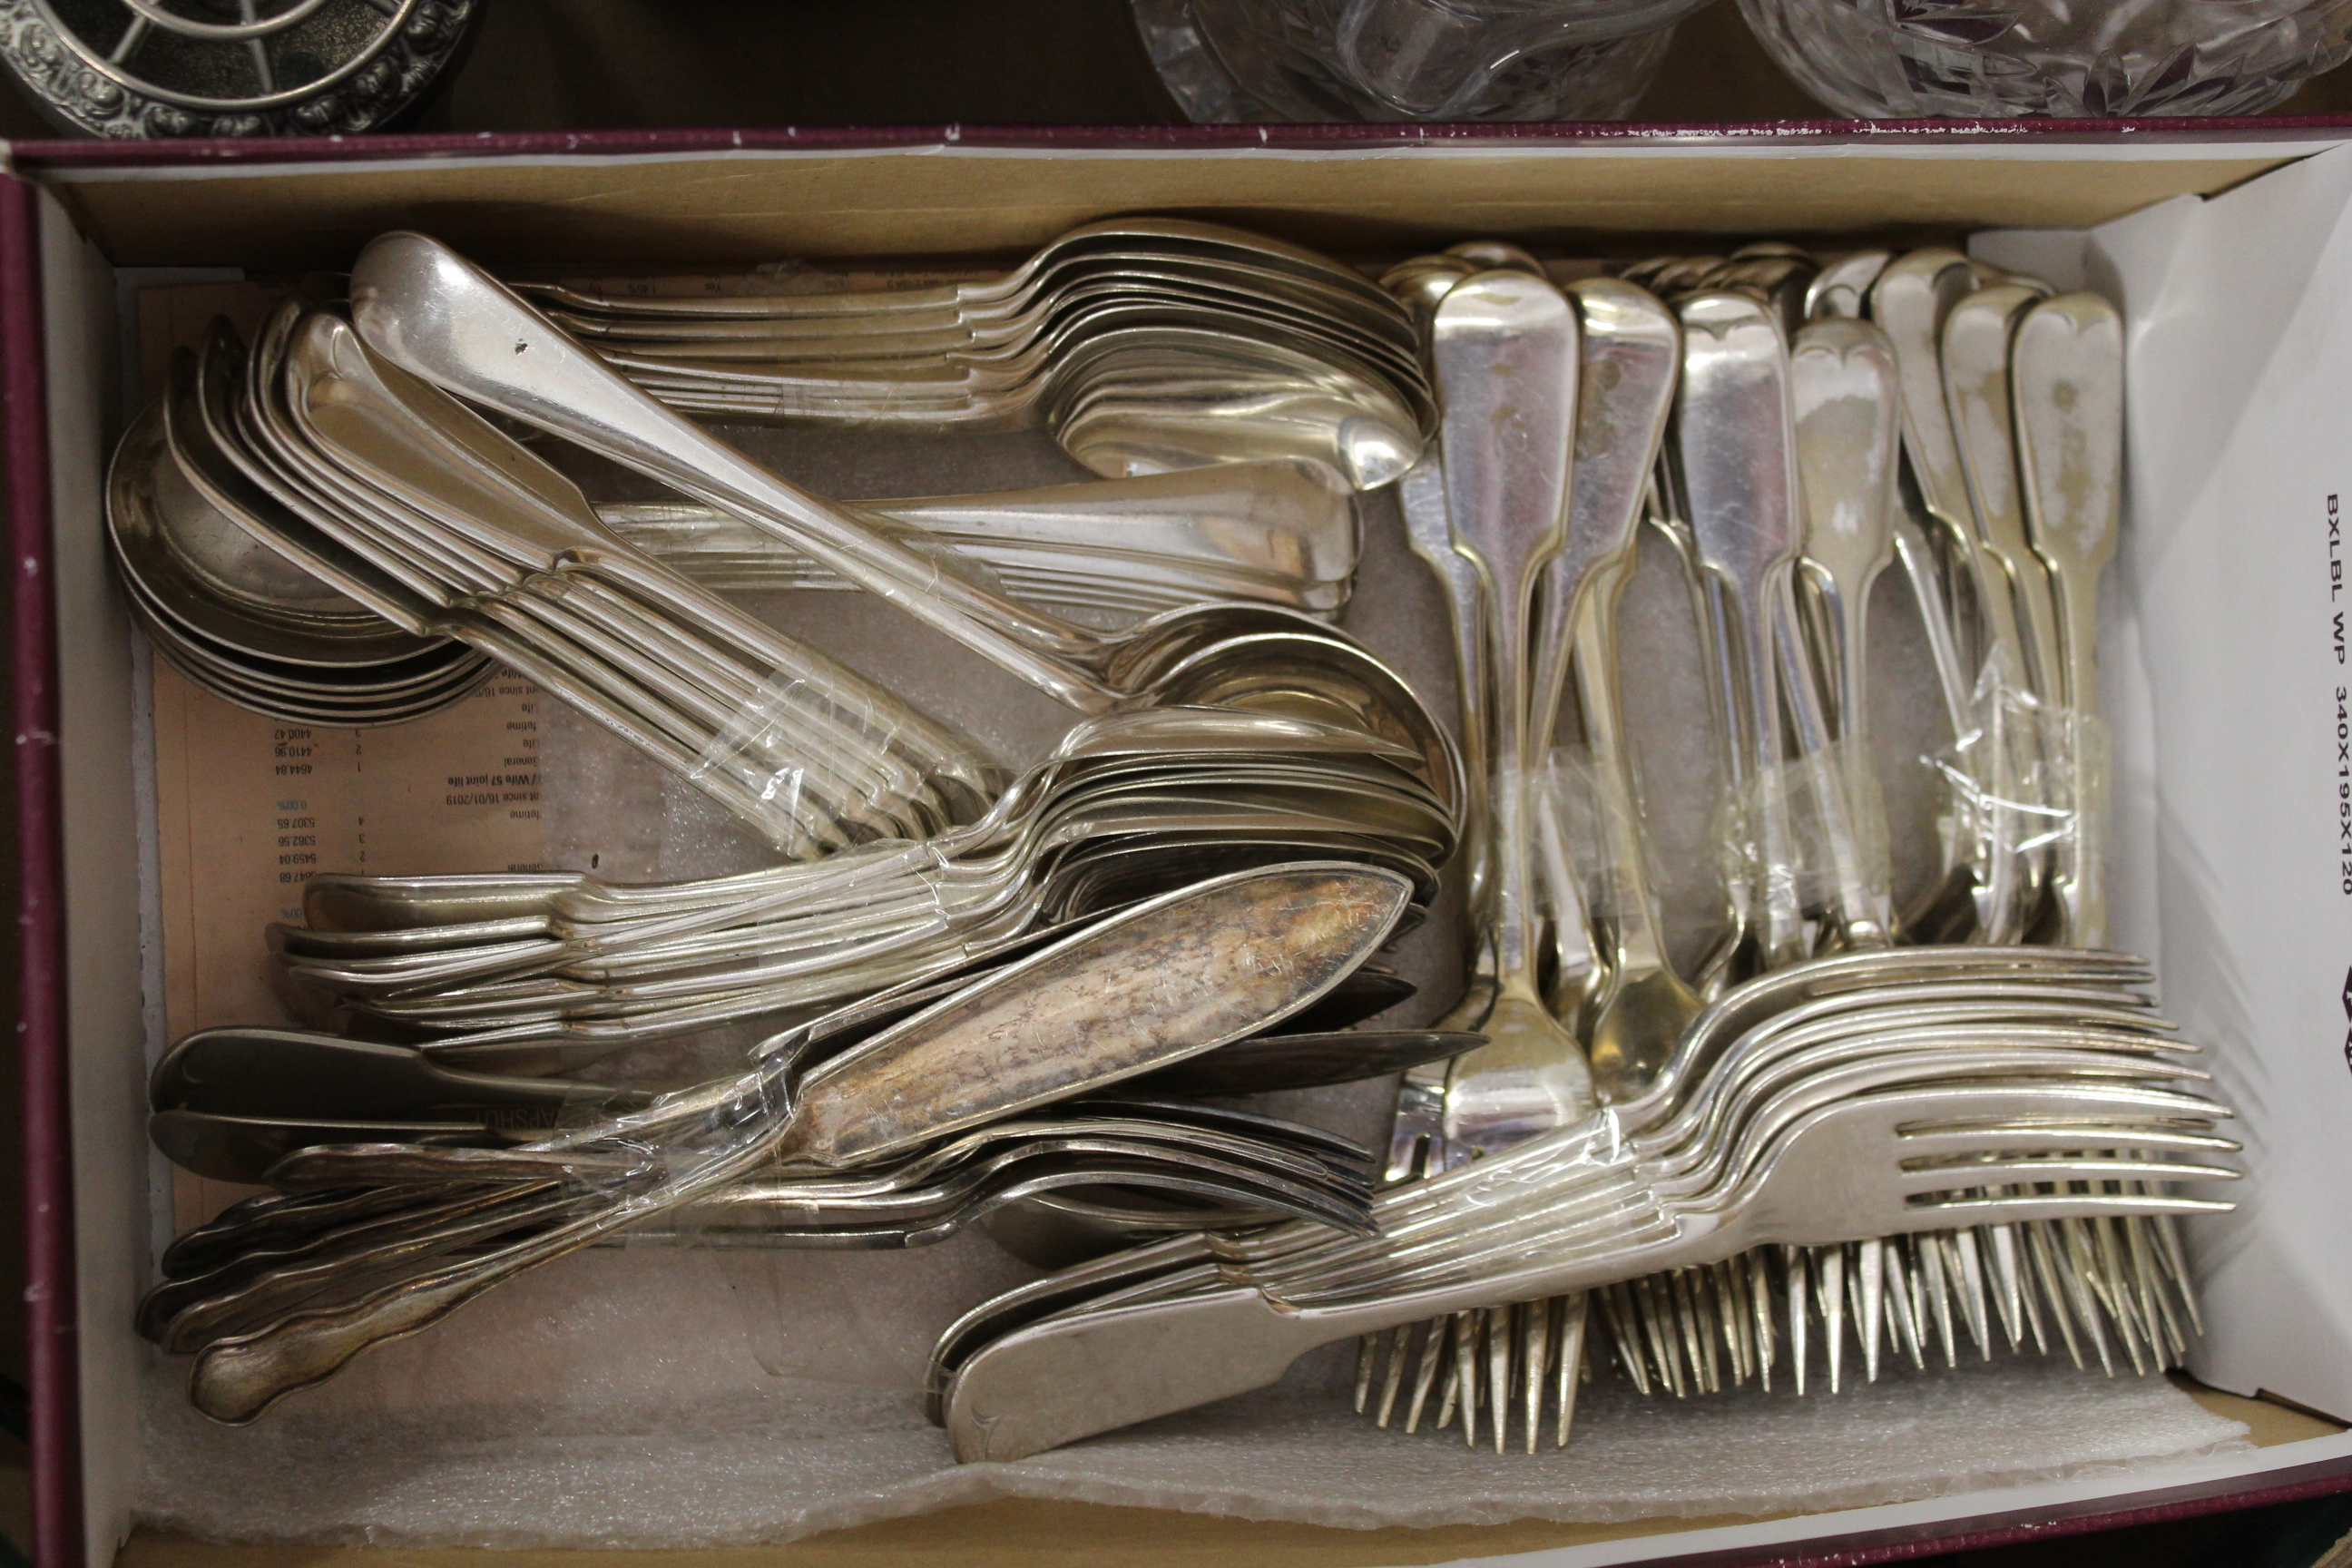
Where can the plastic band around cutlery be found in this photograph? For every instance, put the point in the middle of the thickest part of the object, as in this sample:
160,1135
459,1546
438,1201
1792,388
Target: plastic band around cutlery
1839,862
760,756
2014,781
1574,808
1598,825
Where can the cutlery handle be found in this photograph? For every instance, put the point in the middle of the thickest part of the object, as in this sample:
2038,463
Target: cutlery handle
812,308
1738,471
1063,1379
1504,349
1421,495
2082,884
1086,1372
1631,906
2067,387
1864,907
234,1380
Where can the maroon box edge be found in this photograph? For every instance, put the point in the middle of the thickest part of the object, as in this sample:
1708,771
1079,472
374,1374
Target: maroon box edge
36,157
49,1297
58,1523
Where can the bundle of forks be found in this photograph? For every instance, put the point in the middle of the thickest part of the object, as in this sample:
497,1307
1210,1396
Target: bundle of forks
2015,1143
1791,430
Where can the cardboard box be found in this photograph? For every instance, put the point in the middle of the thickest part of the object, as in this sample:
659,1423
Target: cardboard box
2226,243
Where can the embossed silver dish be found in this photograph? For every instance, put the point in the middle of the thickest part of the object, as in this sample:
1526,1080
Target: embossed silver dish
208,68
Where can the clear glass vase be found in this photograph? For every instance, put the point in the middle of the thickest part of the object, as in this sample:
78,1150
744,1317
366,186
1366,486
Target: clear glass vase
1901,60
1408,59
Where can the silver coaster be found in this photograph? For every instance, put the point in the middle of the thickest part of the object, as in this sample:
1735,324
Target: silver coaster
228,68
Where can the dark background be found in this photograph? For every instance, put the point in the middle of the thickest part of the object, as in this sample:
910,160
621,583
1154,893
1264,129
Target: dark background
538,65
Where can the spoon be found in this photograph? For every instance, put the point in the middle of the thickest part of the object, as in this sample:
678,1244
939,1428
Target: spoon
1976,353
1842,379
243,620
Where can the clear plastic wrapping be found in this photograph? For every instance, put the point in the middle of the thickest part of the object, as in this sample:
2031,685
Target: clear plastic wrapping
772,753
2023,791
1832,810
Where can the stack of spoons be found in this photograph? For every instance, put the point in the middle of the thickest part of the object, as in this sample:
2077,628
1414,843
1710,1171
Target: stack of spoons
1145,344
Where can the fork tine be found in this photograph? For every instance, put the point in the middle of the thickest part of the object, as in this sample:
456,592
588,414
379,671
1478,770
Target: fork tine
2122,1299
1499,1372
2062,1168
1903,1301
1617,1313
1424,1371
1915,1257
2053,1293
1686,1319
1400,1339
1450,1410
1708,1306
1760,1297
2157,1301
1836,1293
1535,1342
1870,1284
1792,1273
1740,1326
1660,1333
1969,1254
1368,1355
1627,1334
2001,1253
1574,1312
1466,1365
2042,1208
2029,1299
2176,1263
1937,1288
2078,1268
1707,1309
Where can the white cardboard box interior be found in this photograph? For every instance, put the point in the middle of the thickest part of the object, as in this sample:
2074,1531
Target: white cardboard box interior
2225,642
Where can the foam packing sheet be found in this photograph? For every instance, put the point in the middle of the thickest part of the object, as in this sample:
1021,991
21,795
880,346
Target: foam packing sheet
652,1397
766,1461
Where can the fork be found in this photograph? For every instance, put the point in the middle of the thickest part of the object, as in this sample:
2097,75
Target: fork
1041,1385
